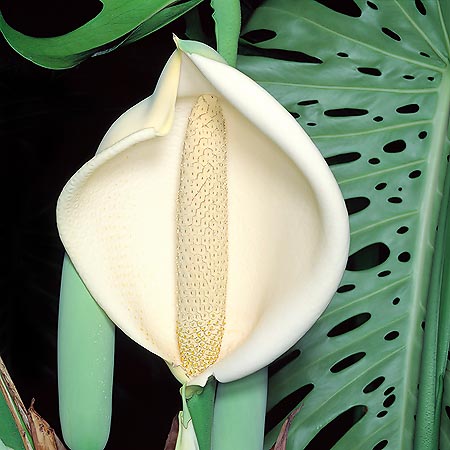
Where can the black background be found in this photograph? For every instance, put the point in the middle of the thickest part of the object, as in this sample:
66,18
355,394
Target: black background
51,123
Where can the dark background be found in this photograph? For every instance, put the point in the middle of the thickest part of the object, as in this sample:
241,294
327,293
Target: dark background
51,123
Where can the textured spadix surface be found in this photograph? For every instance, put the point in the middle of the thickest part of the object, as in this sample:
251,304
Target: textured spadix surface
207,226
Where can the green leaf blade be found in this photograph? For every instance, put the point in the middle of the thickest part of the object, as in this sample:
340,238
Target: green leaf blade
116,20
377,108
9,434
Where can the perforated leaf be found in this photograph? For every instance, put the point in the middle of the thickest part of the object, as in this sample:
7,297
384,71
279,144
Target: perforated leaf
370,82
117,23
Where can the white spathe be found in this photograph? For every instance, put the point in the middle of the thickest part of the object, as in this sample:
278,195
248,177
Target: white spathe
287,223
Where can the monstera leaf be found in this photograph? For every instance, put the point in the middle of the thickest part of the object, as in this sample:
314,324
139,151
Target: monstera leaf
118,23
370,82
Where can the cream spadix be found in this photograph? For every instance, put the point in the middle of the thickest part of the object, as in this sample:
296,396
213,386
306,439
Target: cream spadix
207,226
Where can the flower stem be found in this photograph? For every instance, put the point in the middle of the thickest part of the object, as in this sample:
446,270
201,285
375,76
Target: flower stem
85,365
227,16
201,408
239,413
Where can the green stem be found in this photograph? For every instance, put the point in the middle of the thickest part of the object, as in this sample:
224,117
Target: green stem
85,365
227,16
200,403
436,339
239,413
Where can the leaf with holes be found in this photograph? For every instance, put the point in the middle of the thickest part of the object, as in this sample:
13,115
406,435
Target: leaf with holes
118,23
370,82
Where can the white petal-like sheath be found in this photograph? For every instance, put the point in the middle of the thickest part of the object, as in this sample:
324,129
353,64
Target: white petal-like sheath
287,226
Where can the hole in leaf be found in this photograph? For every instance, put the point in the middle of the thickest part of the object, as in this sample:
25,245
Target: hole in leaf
426,55
311,124
382,444
447,411
261,35
415,174
346,362
370,71
294,115
283,361
287,55
389,390
408,77
382,414
374,385
404,257
342,54
402,230
408,109
389,401
330,434
345,112
421,7
391,336
368,257
395,200
349,324
374,161
430,78
307,102
422,325
384,273
346,288
356,204
392,34
396,301
346,7
285,406
395,146
378,119
372,5
342,158
380,186
423,135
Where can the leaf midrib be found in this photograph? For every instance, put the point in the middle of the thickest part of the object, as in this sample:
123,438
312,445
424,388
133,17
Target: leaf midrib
430,206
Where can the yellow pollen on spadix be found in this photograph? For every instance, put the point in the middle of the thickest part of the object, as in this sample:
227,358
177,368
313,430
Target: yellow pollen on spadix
202,237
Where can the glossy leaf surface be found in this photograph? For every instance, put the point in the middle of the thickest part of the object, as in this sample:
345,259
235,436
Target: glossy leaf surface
118,21
370,82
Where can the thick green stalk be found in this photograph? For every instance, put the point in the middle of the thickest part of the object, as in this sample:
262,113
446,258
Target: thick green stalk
227,16
239,413
201,408
85,365
436,339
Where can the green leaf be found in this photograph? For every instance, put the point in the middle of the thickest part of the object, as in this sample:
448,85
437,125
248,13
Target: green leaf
227,16
9,433
442,388
14,421
370,82
122,22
